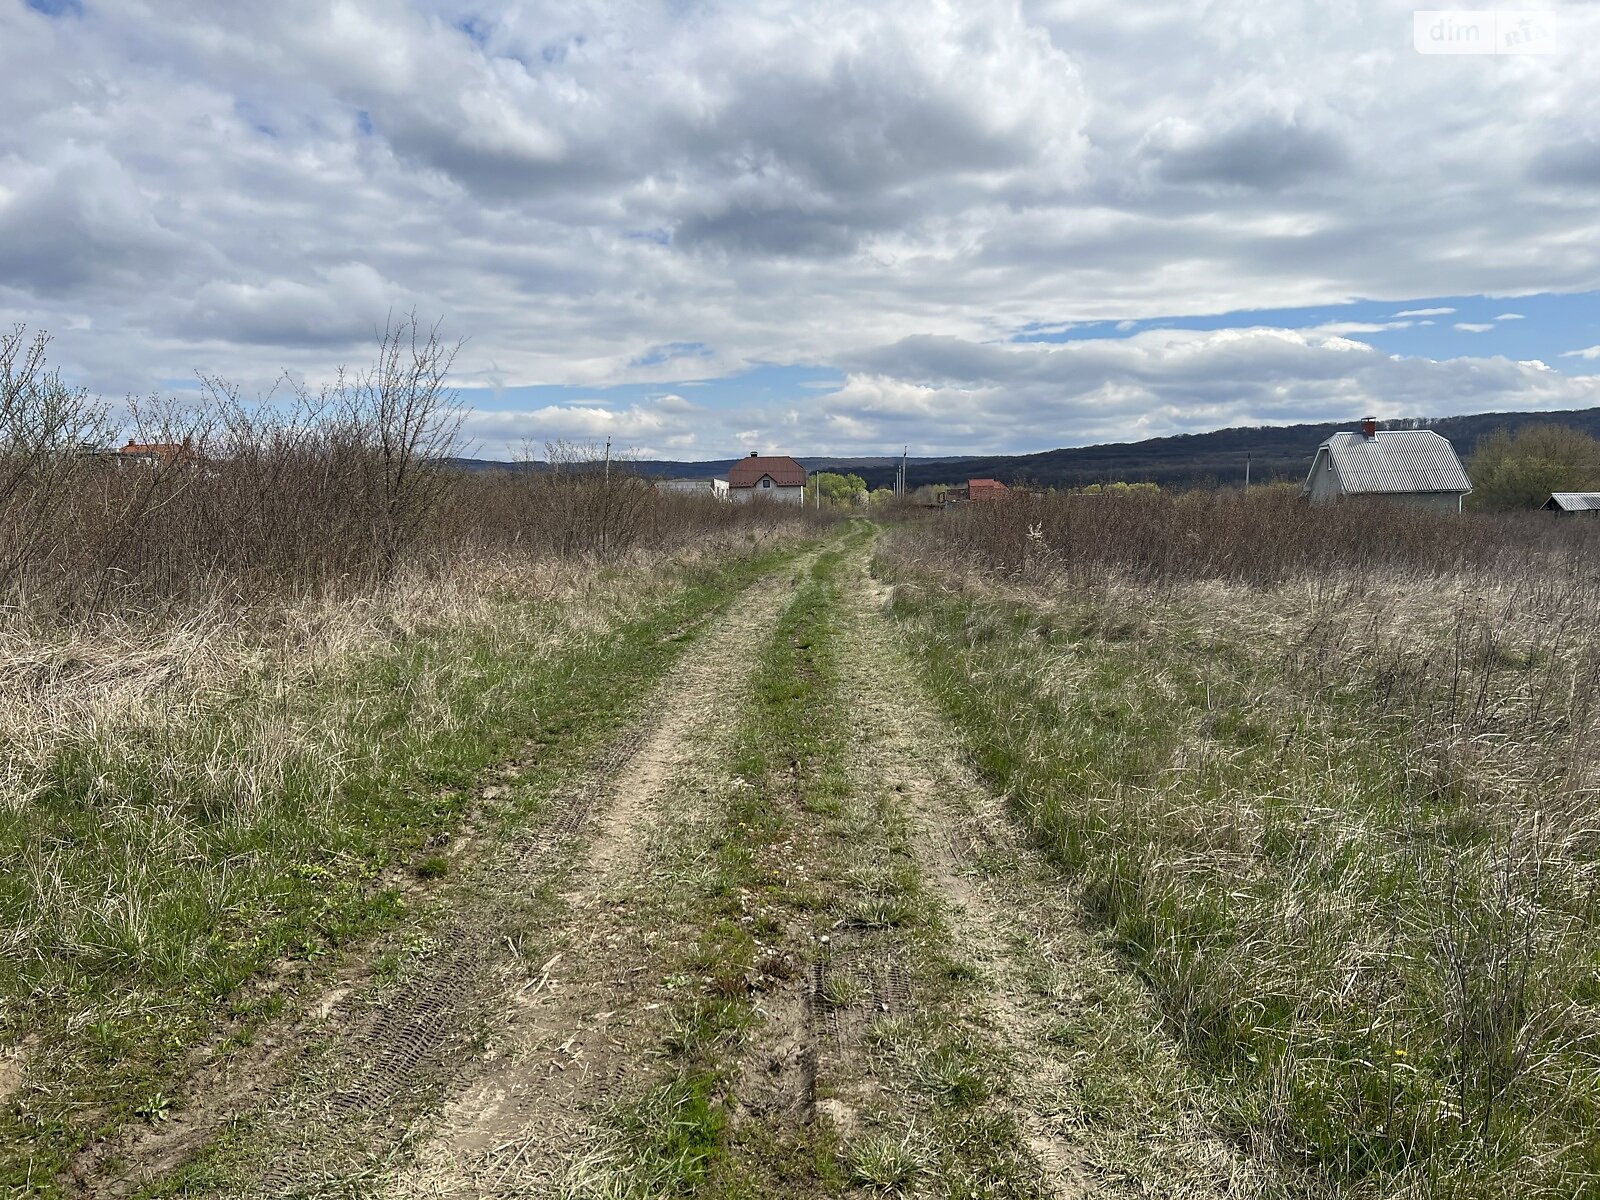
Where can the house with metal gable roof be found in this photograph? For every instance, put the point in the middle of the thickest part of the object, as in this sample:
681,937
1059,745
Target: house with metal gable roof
1573,502
1414,467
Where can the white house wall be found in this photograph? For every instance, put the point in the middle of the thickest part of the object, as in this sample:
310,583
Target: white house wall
1323,482
776,495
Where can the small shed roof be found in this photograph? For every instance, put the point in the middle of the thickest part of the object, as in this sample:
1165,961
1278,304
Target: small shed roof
785,471
1395,460
1574,501
985,489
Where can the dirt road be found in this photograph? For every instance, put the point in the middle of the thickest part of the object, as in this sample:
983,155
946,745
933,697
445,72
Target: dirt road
580,1035
781,941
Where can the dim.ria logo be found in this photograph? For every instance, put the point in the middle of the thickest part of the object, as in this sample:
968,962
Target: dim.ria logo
1483,31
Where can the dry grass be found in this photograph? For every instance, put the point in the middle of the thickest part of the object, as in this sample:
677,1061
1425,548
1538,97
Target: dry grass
137,674
119,695
1265,537
1340,812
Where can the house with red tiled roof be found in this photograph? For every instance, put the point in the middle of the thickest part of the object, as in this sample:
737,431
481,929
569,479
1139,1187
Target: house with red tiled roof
767,477
154,454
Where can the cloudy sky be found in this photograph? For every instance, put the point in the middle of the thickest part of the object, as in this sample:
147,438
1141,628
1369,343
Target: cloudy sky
814,227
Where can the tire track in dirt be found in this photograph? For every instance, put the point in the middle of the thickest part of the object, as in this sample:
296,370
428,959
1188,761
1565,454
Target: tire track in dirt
579,1033
901,734
1001,895
383,1059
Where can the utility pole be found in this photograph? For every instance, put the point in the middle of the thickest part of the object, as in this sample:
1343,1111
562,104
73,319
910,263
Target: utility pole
1247,472
608,460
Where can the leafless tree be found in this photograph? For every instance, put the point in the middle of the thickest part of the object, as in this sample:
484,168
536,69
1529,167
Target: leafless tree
402,413
328,491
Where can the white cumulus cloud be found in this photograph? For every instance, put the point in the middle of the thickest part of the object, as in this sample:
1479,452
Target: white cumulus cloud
574,185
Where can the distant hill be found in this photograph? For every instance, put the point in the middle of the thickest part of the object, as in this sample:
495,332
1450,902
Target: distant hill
1210,459
1190,460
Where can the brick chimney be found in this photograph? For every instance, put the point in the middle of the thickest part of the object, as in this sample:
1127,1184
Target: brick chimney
1369,428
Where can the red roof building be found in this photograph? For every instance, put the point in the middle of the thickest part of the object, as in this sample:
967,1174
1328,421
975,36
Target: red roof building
156,453
785,472
771,476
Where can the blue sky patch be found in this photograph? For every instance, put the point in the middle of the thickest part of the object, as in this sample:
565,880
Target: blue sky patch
672,351
254,117
1547,327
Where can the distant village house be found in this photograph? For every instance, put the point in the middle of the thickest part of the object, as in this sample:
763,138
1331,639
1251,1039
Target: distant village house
767,477
154,454
1573,502
141,454
1414,467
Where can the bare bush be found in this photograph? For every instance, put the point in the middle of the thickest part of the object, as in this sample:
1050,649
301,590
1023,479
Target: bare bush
405,424
44,425
310,491
1262,537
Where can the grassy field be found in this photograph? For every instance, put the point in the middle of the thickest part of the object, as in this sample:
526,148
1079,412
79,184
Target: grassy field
1333,796
255,692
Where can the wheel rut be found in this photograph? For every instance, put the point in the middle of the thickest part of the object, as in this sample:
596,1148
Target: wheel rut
581,1033
1011,913
909,747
